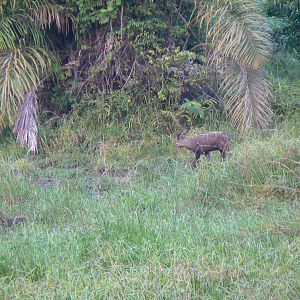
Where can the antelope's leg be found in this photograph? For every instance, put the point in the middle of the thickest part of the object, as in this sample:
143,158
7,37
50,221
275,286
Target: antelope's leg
223,154
197,156
207,155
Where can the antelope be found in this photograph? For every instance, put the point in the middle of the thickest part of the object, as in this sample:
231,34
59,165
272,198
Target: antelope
205,143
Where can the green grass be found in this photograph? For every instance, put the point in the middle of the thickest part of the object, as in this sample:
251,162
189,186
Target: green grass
134,220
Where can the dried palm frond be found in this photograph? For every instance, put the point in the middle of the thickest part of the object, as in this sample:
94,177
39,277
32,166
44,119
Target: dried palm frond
26,125
48,14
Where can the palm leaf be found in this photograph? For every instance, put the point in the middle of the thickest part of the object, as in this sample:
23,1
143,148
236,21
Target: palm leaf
22,69
11,29
16,29
236,31
27,20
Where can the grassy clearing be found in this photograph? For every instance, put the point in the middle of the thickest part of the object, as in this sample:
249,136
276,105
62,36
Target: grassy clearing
134,220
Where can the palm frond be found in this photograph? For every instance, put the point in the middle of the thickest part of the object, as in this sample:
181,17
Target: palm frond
240,47
28,18
22,69
246,96
10,31
26,125
50,14
236,30
18,28
28,5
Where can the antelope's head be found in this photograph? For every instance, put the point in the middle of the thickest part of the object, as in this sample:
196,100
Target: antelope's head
180,138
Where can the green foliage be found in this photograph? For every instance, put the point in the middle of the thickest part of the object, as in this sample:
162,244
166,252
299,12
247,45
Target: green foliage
140,55
285,65
63,100
142,51
91,14
194,108
176,71
6,136
199,109
285,21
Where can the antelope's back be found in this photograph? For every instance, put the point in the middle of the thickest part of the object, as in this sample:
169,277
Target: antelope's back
217,138
224,139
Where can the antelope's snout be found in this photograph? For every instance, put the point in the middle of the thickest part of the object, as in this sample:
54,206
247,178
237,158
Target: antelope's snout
178,145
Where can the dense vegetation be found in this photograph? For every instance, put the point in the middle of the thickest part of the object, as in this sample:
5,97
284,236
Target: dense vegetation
157,55
98,91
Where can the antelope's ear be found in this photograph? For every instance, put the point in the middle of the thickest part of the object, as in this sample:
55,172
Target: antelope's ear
181,134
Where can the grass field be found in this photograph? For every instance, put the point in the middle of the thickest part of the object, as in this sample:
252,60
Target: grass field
134,220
